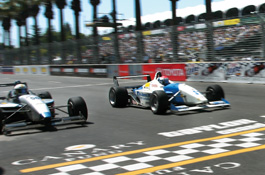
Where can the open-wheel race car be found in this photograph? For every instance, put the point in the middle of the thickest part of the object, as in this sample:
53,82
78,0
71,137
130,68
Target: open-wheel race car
22,109
161,94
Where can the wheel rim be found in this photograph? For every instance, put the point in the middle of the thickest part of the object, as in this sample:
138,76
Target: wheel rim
112,97
154,103
71,109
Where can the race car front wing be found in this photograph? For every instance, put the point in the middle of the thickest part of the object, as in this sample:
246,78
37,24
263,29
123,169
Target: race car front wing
213,104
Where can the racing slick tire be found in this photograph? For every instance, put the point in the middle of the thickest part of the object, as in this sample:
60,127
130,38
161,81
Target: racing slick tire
77,105
118,96
214,93
45,95
159,102
1,125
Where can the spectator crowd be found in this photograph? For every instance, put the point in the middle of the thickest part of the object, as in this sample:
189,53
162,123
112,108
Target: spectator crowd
191,44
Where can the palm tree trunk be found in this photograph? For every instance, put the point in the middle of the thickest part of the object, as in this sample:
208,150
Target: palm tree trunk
19,36
49,41
95,40
62,37
139,35
49,31
26,33
62,27
77,34
37,41
116,41
174,32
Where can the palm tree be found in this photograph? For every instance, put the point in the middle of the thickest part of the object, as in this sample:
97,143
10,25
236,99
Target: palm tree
61,4
7,25
34,10
76,8
24,14
49,15
19,24
139,28
8,11
174,32
95,3
116,42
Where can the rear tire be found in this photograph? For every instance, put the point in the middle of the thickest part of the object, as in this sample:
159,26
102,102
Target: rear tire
77,105
1,126
214,93
159,102
118,96
1,123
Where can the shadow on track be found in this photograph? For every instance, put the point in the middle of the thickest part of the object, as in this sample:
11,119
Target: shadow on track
2,171
47,129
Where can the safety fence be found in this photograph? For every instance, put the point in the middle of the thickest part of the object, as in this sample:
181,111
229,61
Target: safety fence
237,72
237,39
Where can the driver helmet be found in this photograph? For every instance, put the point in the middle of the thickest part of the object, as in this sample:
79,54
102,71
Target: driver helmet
20,89
163,80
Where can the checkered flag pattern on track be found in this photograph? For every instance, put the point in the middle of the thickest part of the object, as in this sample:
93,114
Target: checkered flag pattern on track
149,159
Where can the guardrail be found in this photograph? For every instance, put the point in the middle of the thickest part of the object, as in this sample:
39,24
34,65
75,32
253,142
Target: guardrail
240,72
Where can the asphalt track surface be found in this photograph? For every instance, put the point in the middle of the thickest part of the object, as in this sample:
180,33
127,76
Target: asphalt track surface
135,141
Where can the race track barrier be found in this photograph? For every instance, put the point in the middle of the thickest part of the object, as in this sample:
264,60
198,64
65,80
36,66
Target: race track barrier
31,70
237,72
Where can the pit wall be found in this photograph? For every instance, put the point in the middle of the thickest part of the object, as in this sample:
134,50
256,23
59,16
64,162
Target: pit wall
237,72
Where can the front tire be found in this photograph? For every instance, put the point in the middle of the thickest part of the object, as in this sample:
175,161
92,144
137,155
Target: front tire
77,105
118,96
159,102
214,93
45,95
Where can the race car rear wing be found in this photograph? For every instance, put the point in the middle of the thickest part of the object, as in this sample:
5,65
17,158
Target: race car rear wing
116,83
12,84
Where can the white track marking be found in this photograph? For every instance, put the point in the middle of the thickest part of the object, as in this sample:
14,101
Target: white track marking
79,86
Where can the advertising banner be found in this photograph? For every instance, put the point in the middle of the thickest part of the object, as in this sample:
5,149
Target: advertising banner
82,71
246,72
38,70
135,69
7,70
175,72
123,70
210,72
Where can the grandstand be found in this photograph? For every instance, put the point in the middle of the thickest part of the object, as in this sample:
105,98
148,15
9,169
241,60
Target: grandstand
237,35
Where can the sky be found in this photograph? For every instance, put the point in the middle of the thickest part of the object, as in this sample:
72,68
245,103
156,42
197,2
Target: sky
151,10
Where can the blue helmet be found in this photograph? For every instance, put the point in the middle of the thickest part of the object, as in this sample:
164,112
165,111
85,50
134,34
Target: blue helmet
163,80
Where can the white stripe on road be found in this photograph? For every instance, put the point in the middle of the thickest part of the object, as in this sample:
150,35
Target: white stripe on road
78,86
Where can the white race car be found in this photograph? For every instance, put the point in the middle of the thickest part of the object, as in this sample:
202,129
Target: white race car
22,109
161,94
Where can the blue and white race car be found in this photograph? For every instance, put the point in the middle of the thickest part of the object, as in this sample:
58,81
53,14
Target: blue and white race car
161,94
22,109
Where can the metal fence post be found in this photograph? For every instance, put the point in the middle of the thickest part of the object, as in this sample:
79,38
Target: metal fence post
210,56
